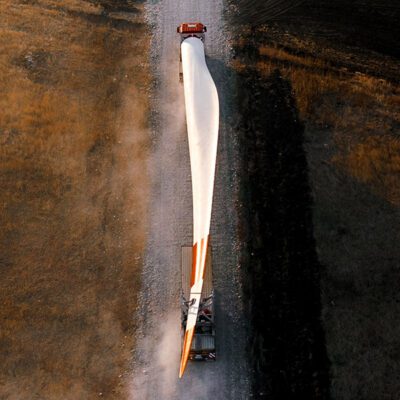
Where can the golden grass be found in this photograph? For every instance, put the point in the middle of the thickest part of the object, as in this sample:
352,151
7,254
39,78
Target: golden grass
355,106
375,162
73,145
308,86
279,54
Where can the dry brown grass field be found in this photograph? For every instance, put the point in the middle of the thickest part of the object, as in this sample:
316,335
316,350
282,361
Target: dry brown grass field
348,98
361,110
74,85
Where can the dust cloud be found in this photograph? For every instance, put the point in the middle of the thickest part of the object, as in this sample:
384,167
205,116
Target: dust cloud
157,353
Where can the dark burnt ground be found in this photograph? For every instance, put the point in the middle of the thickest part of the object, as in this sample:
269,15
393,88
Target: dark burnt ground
342,65
367,24
281,270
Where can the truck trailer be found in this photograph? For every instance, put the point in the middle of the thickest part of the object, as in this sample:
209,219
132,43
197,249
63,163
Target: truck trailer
203,344
202,120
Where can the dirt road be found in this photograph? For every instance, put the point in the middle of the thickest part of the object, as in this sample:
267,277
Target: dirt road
158,351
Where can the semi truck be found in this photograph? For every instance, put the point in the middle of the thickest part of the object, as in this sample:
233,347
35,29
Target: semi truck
202,120
186,30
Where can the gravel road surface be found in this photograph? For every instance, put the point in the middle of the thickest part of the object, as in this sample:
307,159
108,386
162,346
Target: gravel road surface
156,361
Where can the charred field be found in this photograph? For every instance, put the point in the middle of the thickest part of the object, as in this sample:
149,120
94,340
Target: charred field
319,125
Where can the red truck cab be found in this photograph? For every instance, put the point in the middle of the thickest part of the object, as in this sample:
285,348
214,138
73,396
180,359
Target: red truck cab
191,29
186,30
